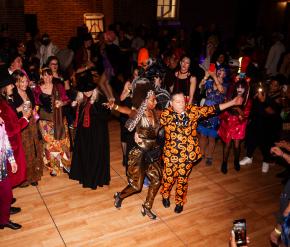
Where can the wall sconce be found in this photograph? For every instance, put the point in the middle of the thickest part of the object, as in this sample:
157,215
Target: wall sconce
94,23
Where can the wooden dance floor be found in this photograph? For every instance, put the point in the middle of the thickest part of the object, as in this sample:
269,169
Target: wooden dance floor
59,212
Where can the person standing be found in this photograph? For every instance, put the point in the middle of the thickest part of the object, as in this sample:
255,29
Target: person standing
13,127
184,82
23,101
91,152
5,185
50,98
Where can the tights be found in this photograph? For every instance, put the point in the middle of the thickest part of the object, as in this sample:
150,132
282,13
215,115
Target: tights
226,150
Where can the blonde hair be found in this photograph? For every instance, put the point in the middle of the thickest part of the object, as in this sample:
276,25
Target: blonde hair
80,97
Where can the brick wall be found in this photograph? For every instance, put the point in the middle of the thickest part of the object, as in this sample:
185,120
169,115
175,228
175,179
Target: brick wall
12,17
60,18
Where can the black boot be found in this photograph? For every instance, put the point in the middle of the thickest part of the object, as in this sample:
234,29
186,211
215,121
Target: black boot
224,167
148,212
236,159
178,208
166,202
237,165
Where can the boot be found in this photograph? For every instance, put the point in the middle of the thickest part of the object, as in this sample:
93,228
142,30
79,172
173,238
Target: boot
148,212
224,167
237,165
236,159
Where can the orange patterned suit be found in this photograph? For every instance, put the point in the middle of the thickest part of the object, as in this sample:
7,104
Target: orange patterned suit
181,149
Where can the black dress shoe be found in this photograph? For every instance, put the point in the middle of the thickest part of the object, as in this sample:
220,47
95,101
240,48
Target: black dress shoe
34,183
178,208
11,225
13,200
14,210
166,202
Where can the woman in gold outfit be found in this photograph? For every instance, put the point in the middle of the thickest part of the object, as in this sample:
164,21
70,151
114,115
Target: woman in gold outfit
145,153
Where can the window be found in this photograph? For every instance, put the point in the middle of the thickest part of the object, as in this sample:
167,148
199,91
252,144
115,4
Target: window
167,9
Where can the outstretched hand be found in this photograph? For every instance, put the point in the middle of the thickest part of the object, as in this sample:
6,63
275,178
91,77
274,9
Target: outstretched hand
238,100
276,151
109,105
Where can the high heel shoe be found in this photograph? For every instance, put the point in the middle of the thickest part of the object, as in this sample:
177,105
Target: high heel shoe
118,200
148,212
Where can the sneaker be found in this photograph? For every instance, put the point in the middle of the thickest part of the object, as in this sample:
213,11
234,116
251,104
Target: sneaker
265,167
246,161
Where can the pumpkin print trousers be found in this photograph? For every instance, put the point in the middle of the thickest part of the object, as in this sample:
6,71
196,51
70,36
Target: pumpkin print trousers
179,173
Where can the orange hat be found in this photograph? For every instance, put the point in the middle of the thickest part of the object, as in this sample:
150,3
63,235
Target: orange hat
143,57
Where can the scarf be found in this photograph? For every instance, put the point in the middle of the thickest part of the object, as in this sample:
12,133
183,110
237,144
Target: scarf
132,122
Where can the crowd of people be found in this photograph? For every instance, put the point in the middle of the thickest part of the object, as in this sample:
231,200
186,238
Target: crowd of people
174,99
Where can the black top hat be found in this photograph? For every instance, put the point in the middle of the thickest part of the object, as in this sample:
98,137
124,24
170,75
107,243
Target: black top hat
85,82
5,78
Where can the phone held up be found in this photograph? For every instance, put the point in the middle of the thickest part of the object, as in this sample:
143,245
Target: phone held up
240,230
211,67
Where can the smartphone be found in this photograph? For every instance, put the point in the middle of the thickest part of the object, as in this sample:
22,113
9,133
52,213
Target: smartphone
211,67
240,230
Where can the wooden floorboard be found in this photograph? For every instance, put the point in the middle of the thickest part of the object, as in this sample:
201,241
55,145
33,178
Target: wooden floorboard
59,212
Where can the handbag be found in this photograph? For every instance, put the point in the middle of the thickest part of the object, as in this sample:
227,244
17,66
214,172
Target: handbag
152,155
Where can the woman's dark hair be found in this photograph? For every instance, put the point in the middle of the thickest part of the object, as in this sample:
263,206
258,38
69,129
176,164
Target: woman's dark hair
44,71
142,87
244,84
16,75
51,58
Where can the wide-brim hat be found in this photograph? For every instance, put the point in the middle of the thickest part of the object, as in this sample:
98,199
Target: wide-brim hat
85,82
5,78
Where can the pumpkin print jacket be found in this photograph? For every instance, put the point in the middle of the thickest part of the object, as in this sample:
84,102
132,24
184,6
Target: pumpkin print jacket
181,142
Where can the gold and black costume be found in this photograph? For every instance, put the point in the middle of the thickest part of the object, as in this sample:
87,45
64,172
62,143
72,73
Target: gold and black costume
138,167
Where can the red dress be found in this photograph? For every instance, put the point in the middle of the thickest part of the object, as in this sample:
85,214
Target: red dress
232,127
13,127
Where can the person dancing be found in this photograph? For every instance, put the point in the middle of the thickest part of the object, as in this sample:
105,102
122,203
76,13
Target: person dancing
181,151
145,154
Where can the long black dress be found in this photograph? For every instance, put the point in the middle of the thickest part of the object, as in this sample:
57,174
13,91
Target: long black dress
91,152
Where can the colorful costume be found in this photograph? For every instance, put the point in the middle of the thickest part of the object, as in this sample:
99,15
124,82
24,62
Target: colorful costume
137,165
209,126
56,151
232,127
181,150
